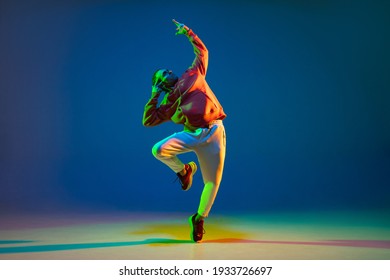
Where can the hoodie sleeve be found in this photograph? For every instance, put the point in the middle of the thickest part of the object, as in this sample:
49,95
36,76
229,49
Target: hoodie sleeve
201,60
155,114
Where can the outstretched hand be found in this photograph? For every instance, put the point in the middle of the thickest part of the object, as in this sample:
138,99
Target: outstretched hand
180,27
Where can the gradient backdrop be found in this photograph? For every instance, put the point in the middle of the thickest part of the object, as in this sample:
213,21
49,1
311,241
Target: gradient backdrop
305,85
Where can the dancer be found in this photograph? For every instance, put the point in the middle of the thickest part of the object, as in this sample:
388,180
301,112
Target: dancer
190,102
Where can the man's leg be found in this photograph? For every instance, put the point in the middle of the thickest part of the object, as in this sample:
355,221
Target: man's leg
211,156
167,150
211,159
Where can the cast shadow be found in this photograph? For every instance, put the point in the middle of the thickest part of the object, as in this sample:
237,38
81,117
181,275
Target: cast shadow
83,246
379,244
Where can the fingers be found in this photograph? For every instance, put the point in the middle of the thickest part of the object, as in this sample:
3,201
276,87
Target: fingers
158,84
156,89
176,22
180,27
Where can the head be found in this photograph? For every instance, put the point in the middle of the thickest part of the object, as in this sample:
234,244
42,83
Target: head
167,77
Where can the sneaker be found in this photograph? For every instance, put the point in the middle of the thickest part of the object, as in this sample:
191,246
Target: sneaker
197,230
186,180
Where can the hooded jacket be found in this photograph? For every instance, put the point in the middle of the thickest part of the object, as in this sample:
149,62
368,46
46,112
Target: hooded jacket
191,102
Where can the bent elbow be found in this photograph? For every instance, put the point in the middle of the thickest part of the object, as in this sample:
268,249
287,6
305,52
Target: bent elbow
148,122
145,123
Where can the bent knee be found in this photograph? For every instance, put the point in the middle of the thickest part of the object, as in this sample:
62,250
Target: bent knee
156,150
159,151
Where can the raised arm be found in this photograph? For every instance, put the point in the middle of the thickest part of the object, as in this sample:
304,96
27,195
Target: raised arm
201,60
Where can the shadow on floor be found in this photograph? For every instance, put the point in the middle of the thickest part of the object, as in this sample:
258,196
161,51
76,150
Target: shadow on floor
80,246
380,244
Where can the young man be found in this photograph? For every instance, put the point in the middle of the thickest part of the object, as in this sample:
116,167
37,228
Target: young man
189,101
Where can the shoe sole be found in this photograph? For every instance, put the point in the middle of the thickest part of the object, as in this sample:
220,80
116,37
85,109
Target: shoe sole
194,168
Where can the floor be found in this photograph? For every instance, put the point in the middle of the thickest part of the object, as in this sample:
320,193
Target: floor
163,236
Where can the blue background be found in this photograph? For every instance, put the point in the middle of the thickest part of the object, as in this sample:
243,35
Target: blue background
305,85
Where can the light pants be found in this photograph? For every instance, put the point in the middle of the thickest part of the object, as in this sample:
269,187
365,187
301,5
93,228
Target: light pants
209,144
